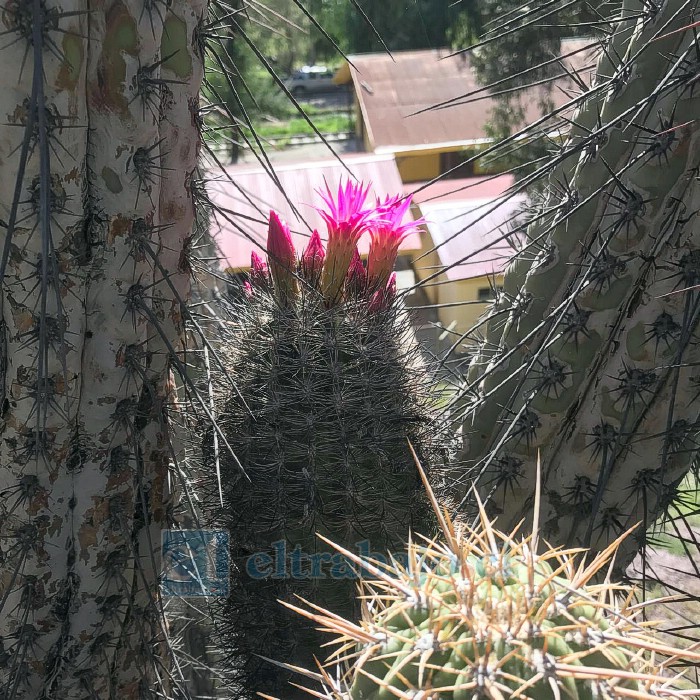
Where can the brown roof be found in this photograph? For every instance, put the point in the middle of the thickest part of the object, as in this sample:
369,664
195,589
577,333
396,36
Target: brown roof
244,195
390,92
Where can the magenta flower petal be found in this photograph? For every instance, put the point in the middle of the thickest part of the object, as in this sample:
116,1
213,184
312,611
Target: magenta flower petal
347,219
387,232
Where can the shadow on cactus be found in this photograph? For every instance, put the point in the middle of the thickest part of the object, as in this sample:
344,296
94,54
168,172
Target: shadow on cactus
484,614
330,385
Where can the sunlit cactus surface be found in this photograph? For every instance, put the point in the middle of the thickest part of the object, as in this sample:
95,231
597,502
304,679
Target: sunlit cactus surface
589,356
478,613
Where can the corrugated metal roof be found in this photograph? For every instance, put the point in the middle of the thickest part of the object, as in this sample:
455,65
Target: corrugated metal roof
392,89
464,217
246,194
459,189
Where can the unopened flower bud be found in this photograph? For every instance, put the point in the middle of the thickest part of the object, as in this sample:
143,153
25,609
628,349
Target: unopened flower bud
282,259
356,284
312,259
258,270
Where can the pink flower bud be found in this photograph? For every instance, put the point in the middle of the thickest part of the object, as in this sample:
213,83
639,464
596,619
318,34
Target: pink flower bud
356,283
248,290
282,258
382,298
258,270
312,259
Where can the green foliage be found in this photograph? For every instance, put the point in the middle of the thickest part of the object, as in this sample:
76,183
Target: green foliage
510,38
466,27
287,35
326,124
402,25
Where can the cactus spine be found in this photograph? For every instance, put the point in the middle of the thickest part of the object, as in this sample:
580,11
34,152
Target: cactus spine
330,385
590,352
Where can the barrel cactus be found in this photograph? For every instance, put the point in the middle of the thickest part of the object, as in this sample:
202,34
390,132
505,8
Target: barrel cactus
485,614
330,385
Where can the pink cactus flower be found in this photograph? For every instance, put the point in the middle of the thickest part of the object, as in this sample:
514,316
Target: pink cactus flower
387,232
347,219
282,258
248,290
312,259
356,283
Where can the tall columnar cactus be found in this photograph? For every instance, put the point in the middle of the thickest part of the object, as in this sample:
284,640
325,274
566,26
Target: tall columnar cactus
590,352
330,386
99,141
484,614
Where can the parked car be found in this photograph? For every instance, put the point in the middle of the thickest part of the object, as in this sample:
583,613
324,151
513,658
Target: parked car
310,79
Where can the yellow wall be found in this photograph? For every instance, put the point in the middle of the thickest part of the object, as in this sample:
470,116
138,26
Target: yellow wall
416,168
464,314
442,291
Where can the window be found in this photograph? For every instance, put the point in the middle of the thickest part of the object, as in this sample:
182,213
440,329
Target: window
453,161
487,293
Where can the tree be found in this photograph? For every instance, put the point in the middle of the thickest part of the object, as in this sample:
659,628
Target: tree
401,25
512,46
99,151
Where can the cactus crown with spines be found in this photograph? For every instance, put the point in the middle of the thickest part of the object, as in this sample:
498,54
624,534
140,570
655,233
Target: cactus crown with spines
330,385
484,614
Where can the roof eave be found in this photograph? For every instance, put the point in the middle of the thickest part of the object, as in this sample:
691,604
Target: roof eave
425,147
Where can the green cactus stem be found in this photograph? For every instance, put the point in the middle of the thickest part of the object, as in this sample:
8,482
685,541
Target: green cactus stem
591,360
481,614
329,390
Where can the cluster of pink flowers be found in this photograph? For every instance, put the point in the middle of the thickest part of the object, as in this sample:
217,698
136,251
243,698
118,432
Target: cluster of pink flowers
337,271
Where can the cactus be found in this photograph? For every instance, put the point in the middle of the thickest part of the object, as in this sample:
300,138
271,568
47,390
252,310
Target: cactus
330,385
99,143
589,354
485,614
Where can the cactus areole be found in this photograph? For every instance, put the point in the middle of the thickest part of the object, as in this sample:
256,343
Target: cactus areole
99,146
590,354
